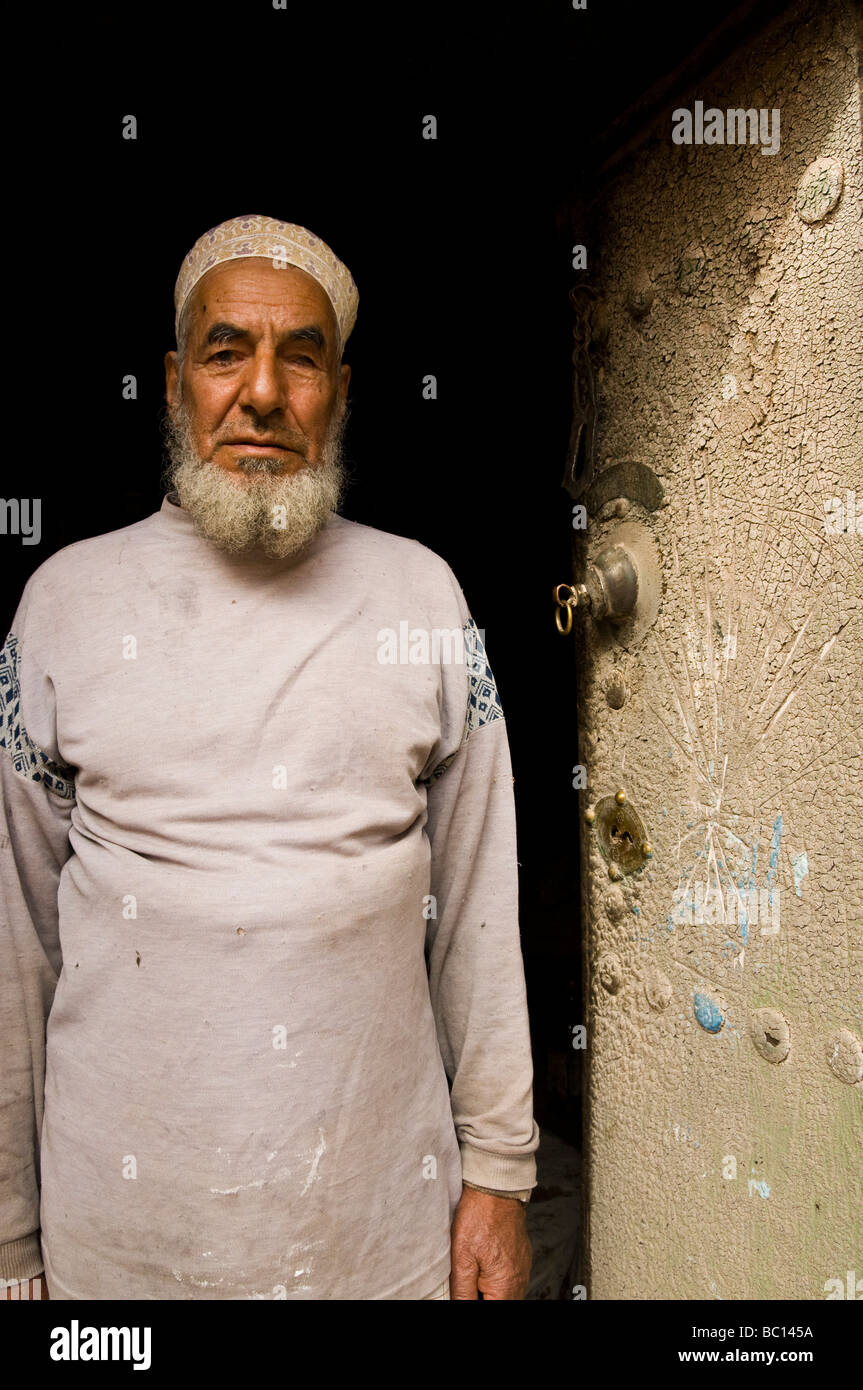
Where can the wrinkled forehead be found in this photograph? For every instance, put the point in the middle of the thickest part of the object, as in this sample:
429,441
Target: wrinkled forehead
253,290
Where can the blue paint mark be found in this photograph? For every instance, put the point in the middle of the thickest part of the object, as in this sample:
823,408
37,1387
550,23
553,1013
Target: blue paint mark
774,849
636,909
744,923
800,864
742,914
774,860
760,1187
707,1012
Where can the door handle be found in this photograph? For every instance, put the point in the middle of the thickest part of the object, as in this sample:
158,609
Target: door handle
610,589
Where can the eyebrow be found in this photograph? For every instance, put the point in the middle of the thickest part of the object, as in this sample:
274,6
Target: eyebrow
220,333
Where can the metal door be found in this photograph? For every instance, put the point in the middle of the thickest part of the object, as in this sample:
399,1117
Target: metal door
721,720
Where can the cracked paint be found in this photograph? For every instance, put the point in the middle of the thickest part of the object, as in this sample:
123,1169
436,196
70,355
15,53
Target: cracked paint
741,738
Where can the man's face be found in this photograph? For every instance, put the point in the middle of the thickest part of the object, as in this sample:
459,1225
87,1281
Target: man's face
256,407
259,376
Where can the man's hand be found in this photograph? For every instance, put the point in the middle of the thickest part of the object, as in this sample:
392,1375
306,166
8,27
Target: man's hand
491,1253
27,1289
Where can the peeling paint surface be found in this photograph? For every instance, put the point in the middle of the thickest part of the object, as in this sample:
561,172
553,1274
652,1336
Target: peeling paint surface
740,740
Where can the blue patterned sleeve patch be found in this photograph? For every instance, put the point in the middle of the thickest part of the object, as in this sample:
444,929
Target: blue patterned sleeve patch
483,702
27,760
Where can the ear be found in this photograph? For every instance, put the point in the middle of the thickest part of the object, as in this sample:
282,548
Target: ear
344,381
172,379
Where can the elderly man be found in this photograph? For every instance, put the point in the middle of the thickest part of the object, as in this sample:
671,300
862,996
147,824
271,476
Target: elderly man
263,1006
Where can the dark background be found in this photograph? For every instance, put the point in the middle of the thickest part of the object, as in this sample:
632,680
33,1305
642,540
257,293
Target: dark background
461,251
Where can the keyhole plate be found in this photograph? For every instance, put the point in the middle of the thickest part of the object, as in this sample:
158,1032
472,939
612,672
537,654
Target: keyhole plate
621,834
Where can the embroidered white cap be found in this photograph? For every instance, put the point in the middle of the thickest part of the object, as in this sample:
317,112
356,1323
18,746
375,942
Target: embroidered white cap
284,244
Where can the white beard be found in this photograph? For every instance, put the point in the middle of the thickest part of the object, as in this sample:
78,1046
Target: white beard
273,513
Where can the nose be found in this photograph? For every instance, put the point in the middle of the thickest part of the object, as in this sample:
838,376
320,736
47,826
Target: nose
262,387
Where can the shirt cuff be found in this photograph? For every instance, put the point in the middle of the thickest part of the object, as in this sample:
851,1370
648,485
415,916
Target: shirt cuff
21,1259
523,1197
499,1172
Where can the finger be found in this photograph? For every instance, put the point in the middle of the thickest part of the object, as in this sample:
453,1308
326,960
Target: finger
463,1279
508,1281
500,1292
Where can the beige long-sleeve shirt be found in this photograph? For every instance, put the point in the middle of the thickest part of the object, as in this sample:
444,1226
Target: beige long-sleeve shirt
258,871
